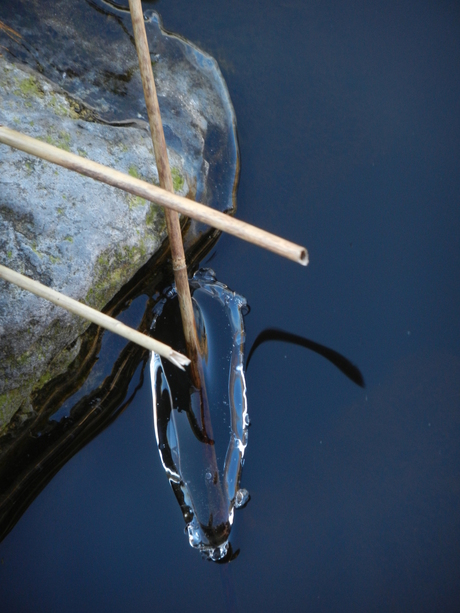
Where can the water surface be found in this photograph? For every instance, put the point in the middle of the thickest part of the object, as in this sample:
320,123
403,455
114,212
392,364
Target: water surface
348,120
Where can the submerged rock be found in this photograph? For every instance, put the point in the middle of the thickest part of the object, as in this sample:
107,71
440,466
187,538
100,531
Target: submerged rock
80,237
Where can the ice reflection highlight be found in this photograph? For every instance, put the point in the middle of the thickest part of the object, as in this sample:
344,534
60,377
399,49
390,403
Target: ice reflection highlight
205,476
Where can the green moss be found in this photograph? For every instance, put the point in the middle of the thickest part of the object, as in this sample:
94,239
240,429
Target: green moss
152,213
3,401
35,250
54,259
134,201
155,219
60,210
62,141
178,179
60,109
22,359
82,153
9,254
113,268
30,87
68,238
48,139
9,404
42,364
142,249
103,260
44,379
133,172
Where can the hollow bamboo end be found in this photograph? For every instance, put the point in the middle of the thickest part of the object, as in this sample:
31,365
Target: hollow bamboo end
178,359
303,258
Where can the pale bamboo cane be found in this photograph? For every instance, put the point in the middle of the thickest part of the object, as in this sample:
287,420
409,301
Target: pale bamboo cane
150,192
109,323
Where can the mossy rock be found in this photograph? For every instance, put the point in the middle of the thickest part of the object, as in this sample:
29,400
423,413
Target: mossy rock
83,238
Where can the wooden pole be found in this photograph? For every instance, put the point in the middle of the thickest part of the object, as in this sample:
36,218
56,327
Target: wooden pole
150,192
166,182
172,219
109,323
177,247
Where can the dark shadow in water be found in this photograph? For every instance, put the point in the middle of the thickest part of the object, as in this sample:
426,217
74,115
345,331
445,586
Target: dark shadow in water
35,450
343,364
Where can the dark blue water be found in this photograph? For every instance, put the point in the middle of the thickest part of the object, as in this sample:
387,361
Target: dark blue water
348,119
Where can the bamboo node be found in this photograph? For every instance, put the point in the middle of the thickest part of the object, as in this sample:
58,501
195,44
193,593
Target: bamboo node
179,264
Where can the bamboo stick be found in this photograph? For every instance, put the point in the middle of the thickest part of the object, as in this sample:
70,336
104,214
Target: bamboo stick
175,238
166,182
150,94
109,323
155,194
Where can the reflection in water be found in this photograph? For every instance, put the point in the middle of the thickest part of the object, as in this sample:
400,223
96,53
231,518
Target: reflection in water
204,474
342,363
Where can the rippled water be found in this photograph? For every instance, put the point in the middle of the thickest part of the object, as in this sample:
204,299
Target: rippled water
349,133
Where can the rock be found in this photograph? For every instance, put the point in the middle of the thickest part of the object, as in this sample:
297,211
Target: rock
83,238
89,51
80,237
